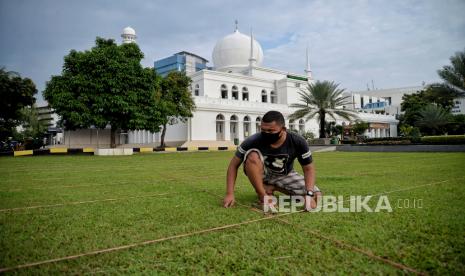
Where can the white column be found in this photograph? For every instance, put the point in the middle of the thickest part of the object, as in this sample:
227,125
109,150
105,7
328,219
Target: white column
252,127
130,137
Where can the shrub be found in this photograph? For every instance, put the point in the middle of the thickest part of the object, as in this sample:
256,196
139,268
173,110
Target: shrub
309,136
348,142
444,140
391,142
381,139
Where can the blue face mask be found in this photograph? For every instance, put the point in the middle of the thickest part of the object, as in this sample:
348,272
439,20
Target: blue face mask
271,138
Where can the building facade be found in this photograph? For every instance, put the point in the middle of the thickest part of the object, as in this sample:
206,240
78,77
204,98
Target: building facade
231,97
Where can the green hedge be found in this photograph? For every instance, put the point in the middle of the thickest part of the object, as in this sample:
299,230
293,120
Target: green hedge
390,142
367,140
444,140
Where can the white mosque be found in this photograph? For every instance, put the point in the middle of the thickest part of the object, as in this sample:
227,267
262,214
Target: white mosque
231,97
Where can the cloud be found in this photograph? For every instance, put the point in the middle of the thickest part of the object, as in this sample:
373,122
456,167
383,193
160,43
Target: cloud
394,43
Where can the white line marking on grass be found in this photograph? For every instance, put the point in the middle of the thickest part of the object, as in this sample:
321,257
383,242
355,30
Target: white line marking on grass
189,234
77,202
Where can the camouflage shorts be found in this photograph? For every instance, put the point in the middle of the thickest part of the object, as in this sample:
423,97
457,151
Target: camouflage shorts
293,183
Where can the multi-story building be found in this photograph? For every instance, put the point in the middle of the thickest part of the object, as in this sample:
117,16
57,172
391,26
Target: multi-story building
183,62
231,97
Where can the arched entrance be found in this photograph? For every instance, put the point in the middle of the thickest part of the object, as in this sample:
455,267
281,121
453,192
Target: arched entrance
301,126
257,124
234,127
219,127
246,126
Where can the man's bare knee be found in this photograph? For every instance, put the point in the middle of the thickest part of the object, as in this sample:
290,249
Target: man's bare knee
253,159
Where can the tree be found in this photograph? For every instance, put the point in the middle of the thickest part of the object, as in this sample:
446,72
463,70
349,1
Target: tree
360,127
433,118
176,100
411,106
454,76
32,126
106,86
321,99
16,93
456,124
437,99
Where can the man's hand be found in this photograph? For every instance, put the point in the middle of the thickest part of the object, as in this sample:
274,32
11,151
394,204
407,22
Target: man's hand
310,203
228,201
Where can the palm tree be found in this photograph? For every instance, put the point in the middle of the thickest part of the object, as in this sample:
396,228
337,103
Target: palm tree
432,118
321,99
453,76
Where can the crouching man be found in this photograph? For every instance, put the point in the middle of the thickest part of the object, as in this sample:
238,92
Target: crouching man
268,159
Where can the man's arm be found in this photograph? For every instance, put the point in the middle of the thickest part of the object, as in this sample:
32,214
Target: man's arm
230,181
309,176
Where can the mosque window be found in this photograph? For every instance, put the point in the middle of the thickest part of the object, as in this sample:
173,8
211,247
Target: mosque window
245,94
301,126
246,126
264,96
224,91
273,97
291,125
257,124
235,93
197,90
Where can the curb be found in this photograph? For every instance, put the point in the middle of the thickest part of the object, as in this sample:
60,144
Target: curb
90,151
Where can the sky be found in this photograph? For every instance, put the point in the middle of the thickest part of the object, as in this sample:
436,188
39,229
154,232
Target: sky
385,44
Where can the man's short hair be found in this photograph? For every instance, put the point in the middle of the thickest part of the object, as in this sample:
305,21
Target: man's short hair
274,116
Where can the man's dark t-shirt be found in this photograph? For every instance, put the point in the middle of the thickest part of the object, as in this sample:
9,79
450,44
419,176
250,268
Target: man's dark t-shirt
278,161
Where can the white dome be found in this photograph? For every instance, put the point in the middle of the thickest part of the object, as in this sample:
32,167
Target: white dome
234,51
129,31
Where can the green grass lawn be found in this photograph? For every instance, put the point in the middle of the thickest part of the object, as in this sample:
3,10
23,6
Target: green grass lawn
152,196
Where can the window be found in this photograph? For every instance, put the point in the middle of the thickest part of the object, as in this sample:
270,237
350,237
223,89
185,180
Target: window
196,90
219,127
264,96
297,84
233,127
235,93
301,126
257,124
224,91
246,126
273,97
291,125
245,94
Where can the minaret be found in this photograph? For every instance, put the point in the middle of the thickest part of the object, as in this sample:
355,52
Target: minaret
252,59
308,71
129,35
